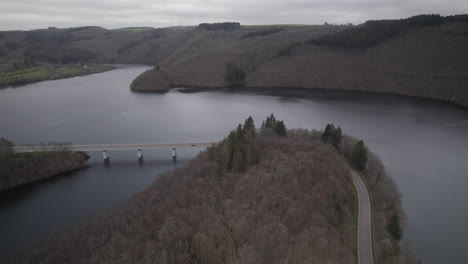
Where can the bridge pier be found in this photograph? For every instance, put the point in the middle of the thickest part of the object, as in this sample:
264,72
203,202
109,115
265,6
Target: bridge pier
105,155
174,155
140,154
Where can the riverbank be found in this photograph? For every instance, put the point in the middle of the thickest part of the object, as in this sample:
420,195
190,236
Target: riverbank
418,60
21,168
124,117
250,198
16,76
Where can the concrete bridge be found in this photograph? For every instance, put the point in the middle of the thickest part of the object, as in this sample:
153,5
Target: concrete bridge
105,148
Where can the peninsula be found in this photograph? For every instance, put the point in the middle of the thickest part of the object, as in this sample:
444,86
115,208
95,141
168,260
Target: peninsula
268,195
21,168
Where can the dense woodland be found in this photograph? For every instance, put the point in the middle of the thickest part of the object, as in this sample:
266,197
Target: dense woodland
21,168
60,55
234,75
267,195
306,56
374,32
220,26
262,32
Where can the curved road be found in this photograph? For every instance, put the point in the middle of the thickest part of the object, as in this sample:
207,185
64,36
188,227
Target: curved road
365,255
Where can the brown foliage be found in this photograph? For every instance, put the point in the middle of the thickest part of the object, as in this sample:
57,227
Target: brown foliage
21,168
282,209
387,204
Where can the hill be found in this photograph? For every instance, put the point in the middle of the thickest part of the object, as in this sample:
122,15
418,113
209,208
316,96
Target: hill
423,56
268,196
404,57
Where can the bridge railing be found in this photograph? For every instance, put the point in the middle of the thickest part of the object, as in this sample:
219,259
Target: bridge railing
105,148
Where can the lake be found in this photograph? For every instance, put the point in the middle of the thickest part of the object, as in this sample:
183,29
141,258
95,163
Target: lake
423,143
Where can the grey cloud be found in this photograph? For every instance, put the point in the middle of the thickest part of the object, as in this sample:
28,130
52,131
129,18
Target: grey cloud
31,14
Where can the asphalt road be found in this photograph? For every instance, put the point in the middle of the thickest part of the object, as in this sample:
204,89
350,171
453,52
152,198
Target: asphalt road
102,147
365,255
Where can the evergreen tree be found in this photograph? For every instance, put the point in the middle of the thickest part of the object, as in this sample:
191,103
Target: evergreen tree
359,157
239,133
271,126
270,122
333,136
263,128
336,138
249,125
327,133
394,227
280,128
238,150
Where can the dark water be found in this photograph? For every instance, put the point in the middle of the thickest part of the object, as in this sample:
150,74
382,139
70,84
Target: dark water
424,145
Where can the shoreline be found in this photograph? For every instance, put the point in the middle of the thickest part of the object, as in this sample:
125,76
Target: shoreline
293,90
99,69
39,166
194,176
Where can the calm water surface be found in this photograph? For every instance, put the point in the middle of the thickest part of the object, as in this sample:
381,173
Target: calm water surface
423,144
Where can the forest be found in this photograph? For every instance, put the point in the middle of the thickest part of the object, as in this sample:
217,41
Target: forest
60,55
373,32
21,168
268,195
227,26
262,32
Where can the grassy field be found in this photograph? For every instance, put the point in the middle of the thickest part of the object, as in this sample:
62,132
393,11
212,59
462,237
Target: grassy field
67,70
44,72
26,75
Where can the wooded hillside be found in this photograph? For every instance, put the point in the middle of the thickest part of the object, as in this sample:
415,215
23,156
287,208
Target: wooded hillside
259,196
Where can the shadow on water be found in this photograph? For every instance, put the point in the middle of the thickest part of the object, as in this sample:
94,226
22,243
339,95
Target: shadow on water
322,95
421,141
16,193
63,200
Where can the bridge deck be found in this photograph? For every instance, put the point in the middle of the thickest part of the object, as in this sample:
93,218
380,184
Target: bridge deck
102,147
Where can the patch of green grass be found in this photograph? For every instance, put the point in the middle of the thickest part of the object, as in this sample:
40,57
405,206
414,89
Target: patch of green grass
24,75
67,70
22,71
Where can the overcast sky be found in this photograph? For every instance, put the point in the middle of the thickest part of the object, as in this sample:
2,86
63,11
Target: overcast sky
33,14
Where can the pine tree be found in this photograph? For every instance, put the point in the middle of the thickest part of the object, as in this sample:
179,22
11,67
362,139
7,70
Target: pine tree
359,157
336,138
270,122
249,125
263,127
280,128
268,127
394,228
327,133
239,133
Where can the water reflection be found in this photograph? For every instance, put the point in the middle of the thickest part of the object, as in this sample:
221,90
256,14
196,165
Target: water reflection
423,144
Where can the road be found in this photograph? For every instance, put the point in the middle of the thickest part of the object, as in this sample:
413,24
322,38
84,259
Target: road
365,255
101,147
